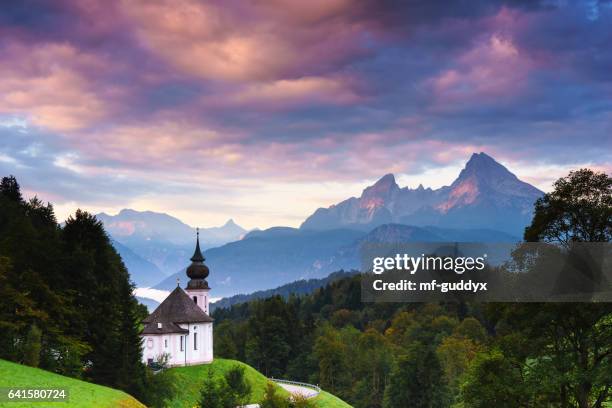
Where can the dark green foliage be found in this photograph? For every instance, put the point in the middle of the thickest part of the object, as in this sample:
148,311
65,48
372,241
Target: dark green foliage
578,209
271,332
32,346
160,388
66,300
494,381
212,393
9,188
417,381
237,382
228,392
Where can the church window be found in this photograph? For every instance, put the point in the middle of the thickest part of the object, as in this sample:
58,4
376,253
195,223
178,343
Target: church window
195,341
182,343
150,343
166,343
195,300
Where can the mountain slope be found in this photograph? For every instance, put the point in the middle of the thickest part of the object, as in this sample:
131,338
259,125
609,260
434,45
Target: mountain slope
142,272
484,195
161,239
270,258
349,257
80,393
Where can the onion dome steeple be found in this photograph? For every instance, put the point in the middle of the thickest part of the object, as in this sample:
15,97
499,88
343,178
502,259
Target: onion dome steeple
197,254
197,271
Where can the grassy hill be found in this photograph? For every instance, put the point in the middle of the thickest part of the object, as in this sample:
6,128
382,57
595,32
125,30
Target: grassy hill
327,400
81,393
189,380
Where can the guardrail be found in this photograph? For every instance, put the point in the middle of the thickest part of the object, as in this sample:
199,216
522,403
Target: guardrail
301,384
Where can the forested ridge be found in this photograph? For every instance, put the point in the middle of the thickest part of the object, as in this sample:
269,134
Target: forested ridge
66,302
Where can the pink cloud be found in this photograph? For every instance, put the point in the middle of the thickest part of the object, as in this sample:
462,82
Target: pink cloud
261,41
287,94
493,70
48,83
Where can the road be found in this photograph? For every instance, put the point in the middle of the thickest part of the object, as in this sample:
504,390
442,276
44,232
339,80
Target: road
299,390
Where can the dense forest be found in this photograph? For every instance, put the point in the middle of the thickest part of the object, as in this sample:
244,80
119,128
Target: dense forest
66,302
449,354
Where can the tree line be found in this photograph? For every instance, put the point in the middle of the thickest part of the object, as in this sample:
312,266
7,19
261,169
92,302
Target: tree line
66,302
461,355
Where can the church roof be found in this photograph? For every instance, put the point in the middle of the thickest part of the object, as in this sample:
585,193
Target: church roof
177,308
166,327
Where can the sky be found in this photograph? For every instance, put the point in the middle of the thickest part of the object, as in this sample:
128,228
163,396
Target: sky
264,110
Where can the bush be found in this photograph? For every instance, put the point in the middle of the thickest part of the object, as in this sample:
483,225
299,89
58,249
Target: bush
273,400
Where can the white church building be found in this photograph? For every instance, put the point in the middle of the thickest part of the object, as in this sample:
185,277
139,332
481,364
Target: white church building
180,326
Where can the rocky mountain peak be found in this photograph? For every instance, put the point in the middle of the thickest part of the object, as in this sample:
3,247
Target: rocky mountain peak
484,168
383,187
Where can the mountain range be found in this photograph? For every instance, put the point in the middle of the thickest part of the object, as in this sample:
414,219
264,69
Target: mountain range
273,257
486,203
485,195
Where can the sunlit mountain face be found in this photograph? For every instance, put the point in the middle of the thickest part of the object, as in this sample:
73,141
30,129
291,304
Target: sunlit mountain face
484,195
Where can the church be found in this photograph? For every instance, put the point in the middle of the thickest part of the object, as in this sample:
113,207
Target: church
181,327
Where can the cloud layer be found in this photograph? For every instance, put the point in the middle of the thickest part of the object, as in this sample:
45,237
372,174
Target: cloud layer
250,109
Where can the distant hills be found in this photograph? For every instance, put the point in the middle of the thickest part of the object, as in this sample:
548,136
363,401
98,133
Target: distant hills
154,245
484,195
270,258
300,287
132,226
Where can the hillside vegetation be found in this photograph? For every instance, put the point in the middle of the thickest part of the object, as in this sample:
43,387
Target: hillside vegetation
326,400
81,393
189,381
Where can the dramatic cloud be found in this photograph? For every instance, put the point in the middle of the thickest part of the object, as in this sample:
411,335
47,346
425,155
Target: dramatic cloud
265,110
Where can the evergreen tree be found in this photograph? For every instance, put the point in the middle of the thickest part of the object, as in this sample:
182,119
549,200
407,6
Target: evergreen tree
10,189
417,381
211,395
109,308
238,385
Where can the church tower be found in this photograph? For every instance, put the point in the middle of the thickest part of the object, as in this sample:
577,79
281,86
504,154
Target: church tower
197,287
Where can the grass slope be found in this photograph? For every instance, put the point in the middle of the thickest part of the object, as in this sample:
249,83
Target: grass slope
189,381
327,400
81,393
